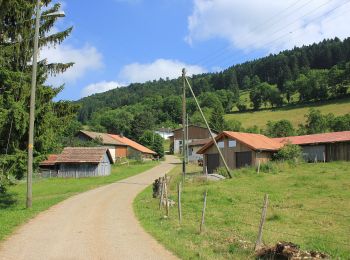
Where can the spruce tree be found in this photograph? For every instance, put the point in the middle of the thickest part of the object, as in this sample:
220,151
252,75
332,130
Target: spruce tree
16,51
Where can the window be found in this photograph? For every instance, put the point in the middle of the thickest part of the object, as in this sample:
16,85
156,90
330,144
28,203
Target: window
232,143
221,144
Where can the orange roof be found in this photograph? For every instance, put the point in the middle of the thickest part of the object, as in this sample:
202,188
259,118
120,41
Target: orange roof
51,160
253,141
132,144
316,138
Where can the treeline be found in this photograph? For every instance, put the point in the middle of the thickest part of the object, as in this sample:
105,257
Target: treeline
309,73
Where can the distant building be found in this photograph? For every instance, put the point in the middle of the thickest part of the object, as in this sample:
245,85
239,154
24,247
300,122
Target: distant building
195,133
327,147
193,148
119,145
78,162
166,133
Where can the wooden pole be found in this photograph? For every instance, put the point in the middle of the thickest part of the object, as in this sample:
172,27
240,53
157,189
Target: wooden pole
161,193
262,221
206,173
184,125
259,167
203,212
208,127
166,198
179,201
324,157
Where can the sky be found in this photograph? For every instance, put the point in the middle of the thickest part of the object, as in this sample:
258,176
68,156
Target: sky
118,42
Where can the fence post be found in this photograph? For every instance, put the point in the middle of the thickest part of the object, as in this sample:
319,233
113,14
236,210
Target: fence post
324,157
166,197
203,212
179,201
206,173
262,221
161,193
259,166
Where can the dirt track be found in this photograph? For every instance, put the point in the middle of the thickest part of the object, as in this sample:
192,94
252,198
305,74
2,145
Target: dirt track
98,224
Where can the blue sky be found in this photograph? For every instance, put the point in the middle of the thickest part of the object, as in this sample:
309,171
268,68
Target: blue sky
116,42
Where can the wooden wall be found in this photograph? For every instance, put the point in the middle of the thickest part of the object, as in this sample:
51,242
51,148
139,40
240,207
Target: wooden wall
229,153
194,132
338,152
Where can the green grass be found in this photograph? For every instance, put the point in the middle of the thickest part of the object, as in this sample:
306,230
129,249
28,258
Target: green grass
309,205
295,114
47,192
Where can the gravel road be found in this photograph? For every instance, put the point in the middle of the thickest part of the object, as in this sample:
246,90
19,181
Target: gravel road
98,224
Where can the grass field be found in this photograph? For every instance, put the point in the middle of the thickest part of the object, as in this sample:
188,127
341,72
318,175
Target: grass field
47,192
309,205
295,114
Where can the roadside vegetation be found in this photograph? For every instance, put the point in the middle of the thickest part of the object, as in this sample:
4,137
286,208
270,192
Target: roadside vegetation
308,205
48,192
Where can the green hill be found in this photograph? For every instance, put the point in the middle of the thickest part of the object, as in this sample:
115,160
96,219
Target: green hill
295,114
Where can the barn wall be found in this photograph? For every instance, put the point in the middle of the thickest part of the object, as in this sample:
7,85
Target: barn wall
338,152
194,132
121,151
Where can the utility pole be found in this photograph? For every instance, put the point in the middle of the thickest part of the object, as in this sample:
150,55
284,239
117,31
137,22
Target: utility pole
184,124
32,107
187,149
208,127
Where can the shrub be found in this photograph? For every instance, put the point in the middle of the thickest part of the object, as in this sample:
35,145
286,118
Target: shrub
241,106
290,152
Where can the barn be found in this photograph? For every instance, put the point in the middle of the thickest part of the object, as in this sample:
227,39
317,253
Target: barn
78,162
239,150
327,147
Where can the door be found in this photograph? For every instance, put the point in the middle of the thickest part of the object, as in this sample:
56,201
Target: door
213,162
243,159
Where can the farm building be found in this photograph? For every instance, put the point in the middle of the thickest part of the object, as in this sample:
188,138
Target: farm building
49,168
322,147
119,145
77,162
194,133
193,148
117,148
239,150
134,149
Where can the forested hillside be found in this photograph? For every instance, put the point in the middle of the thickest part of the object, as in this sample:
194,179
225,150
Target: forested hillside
306,74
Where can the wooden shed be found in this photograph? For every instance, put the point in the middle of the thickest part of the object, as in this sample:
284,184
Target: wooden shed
239,150
78,162
327,147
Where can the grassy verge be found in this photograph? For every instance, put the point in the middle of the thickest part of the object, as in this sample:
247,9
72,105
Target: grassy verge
309,205
293,113
47,192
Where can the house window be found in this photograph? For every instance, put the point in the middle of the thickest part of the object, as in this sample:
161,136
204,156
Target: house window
221,144
232,143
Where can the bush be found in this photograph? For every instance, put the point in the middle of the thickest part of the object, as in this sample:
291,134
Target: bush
241,106
290,152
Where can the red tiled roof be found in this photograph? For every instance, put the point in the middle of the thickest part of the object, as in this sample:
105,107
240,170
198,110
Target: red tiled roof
106,138
51,160
92,155
316,138
254,141
132,144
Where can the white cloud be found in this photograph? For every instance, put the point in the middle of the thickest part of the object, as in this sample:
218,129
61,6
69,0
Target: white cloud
160,68
270,25
86,59
100,87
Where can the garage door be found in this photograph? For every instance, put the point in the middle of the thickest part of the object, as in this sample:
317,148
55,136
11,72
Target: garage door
213,162
243,159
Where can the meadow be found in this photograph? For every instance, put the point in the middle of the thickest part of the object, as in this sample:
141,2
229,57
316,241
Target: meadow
308,205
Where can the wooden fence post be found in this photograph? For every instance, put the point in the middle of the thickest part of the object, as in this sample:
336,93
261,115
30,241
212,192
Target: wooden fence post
206,173
166,198
179,201
161,193
262,221
259,166
324,157
203,212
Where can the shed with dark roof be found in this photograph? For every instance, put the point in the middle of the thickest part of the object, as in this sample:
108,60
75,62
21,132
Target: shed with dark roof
239,150
78,162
